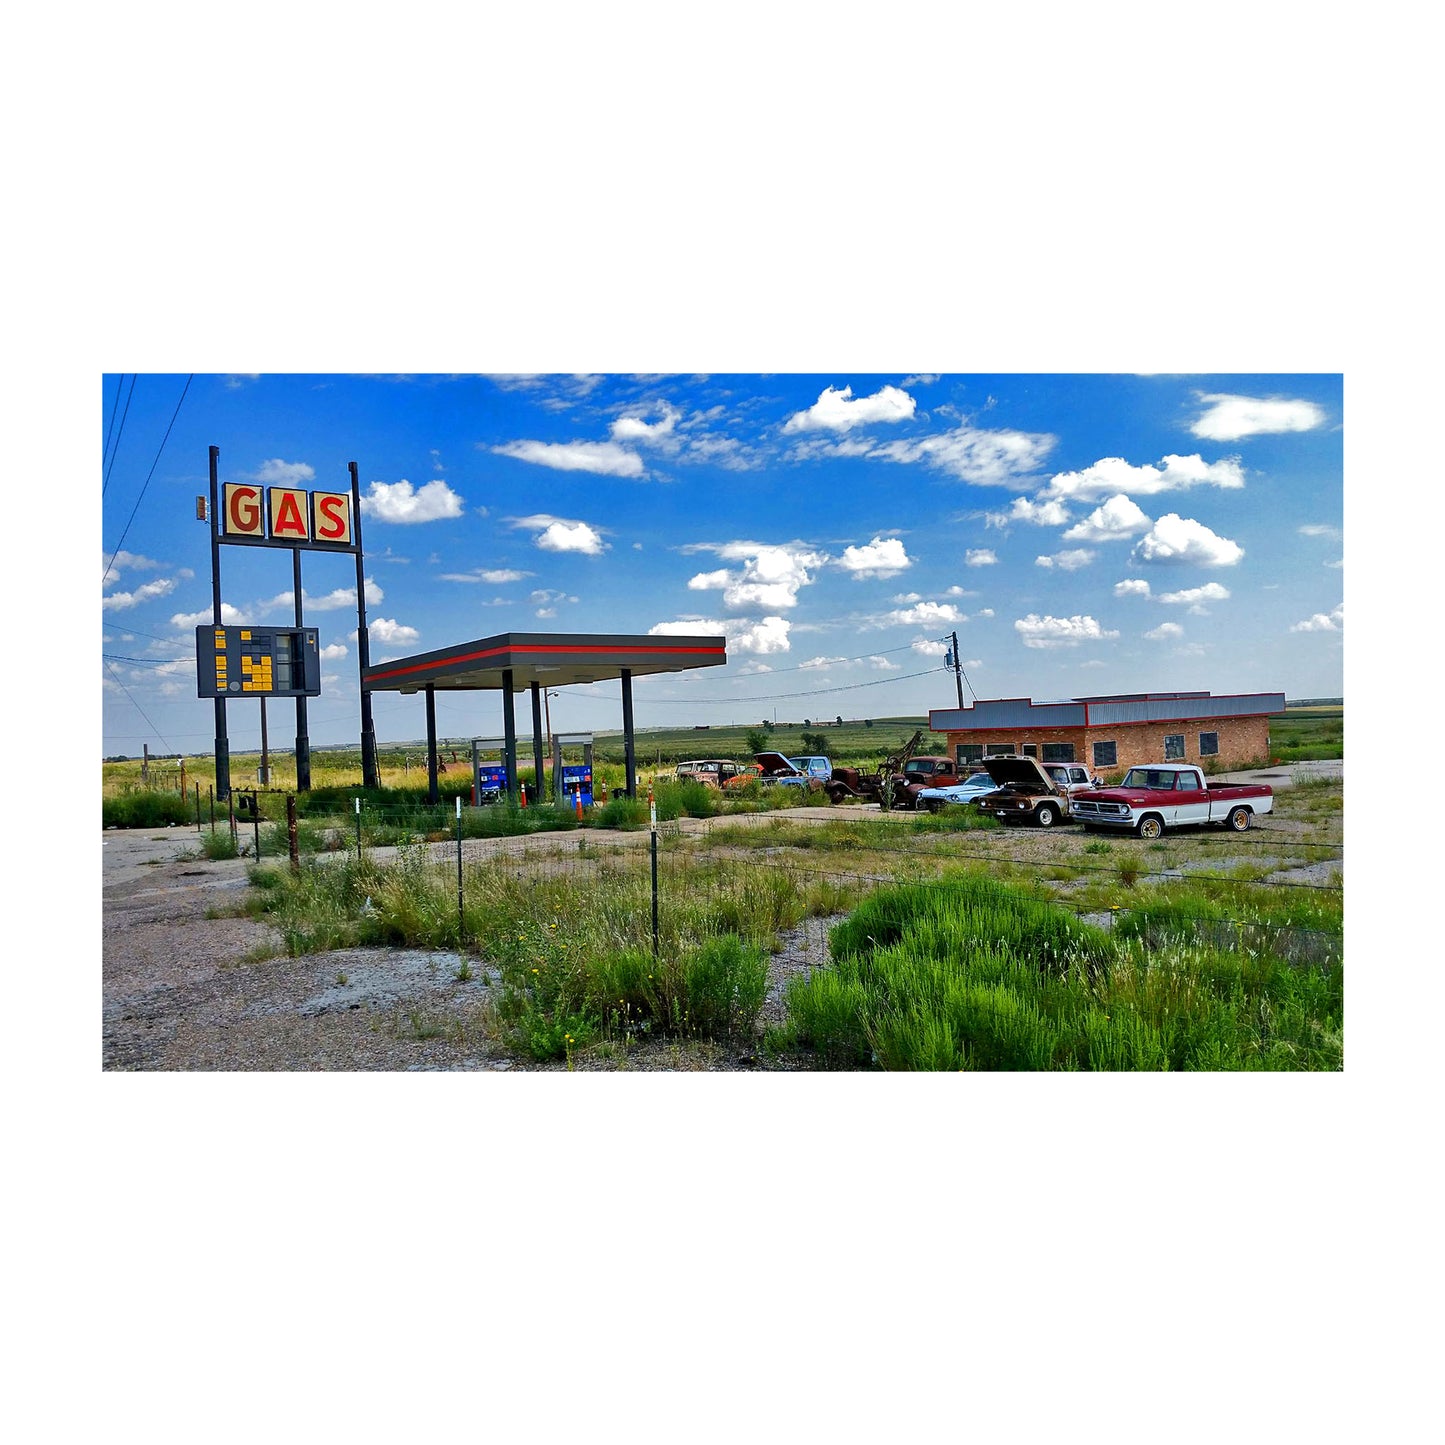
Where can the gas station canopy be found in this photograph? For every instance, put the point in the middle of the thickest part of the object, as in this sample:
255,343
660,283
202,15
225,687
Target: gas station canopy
548,659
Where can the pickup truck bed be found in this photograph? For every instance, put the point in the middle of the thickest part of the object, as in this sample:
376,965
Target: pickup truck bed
1160,796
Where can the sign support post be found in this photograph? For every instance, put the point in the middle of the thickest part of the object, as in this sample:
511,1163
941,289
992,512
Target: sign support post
369,775
223,746
303,739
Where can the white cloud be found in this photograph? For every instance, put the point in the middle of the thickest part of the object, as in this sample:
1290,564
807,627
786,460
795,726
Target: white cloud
770,634
403,503
883,664
837,411
230,617
925,613
929,646
1229,418
980,557
1177,539
1192,596
883,557
560,534
277,473
1165,632
984,612
388,632
1037,514
332,601
1069,561
635,429
1339,563
923,378
333,651
1320,622
1117,519
161,587
1036,631
1112,476
606,459
986,458
770,577
126,561
1318,529
492,576
822,662
1131,587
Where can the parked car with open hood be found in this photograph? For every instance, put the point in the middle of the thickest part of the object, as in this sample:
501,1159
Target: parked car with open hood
715,772
790,772
1026,793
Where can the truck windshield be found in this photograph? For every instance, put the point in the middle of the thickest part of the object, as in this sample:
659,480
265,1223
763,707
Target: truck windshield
1148,778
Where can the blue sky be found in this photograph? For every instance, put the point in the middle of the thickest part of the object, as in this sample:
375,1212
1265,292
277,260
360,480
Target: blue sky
1080,533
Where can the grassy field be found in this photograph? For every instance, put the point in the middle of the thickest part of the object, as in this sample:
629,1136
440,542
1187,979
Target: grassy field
1296,735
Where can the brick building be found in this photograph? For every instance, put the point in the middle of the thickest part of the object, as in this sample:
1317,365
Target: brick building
1109,734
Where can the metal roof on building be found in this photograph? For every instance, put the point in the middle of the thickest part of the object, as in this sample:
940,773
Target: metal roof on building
1119,709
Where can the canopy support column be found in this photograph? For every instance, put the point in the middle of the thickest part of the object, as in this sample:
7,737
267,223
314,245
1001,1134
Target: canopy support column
537,743
432,795
628,742
509,732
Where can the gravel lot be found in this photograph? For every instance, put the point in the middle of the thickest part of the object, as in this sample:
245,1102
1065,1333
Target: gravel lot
183,991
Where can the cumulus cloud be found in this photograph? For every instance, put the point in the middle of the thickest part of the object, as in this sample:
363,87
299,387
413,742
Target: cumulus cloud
1175,539
929,646
606,459
883,557
230,617
633,428
1228,418
925,613
127,562
822,662
1036,631
837,411
980,557
401,502
1036,514
1319,529
882,664
276,473
333,651
1323,622
770,576
1193,596
985,458
1069,561
1112,476
1116,520
761,636
119,601
559,534
388,632
1131,587
1165,632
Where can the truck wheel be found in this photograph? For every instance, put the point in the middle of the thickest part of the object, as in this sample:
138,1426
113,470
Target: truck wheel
934,805
1047,815
1239,820
1151,826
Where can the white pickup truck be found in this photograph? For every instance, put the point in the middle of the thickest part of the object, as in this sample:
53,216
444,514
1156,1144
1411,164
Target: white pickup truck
1169,795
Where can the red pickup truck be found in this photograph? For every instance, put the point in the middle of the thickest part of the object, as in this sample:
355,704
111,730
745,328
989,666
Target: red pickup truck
1168,795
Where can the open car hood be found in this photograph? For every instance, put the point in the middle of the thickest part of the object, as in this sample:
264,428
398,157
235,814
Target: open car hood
775,765
1019,773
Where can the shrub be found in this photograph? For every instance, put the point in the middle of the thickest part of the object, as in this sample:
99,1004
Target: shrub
146,808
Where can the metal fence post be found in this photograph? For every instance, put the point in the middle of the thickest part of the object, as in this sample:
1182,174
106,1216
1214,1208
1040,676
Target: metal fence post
652,810
357,801
256,826
461,915
198,807
291,830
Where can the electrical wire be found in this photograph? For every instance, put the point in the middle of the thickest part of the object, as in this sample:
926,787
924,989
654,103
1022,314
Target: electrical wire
121,685
106,480
149,474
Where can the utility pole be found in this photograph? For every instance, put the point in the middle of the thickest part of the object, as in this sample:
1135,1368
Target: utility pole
369,774
957,670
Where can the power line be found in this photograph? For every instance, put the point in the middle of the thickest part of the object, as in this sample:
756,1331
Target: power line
120,684
149,475
106,481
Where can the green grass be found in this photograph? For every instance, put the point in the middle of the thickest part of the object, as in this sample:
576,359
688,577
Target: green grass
982,975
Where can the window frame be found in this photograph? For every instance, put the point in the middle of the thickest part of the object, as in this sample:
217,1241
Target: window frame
1209,752
1112,761
1177,739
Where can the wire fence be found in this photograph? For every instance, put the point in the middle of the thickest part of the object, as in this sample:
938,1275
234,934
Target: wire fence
710,869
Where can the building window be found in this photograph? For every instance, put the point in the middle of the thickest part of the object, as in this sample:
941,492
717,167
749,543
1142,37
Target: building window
970,753
1058,752
1208,745
1106,755
1173,747
998,750
1031,750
